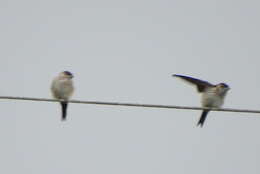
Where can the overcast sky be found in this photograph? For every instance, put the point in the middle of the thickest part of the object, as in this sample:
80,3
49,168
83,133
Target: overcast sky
126,51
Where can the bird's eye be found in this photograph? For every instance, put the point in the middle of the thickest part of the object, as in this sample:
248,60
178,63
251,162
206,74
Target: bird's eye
223,85
67,73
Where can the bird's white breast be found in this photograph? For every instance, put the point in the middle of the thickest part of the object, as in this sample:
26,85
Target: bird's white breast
62,89
211,99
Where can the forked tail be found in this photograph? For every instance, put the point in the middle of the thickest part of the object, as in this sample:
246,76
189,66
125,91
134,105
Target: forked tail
202,118
64,106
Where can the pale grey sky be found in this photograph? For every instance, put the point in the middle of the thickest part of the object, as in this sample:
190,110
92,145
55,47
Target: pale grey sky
126,51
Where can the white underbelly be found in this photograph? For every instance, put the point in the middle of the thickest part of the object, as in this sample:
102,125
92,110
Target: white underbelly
211,100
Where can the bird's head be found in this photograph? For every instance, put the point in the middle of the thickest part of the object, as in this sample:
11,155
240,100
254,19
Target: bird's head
222,88
66,74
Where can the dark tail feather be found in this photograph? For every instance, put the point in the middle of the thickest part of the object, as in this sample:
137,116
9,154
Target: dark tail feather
64,106
202,118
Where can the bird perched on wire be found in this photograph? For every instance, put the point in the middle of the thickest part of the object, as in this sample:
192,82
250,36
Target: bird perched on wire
62,88
212,95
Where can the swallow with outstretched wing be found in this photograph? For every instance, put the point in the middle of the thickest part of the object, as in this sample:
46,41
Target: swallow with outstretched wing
212,95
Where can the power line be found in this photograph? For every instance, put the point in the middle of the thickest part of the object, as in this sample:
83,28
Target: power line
131,104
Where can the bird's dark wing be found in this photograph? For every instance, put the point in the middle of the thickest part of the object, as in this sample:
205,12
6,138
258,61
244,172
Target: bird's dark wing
201,84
